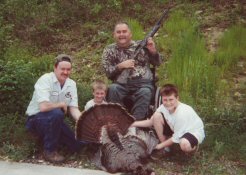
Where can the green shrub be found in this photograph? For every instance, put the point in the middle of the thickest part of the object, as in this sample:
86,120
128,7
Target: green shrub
96,9
114,4
41,65
16,52
225,133
88,66
5,35
15,141
18,72
16,83
84,94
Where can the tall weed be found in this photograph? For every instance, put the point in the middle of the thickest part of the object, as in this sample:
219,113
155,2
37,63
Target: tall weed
231,48
189,63
136,29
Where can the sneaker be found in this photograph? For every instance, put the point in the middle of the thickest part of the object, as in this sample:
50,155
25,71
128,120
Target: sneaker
167,149
157,154
197,148
53,157
194,151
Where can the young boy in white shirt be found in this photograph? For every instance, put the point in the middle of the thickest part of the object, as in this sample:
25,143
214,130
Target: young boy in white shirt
175,122
99,92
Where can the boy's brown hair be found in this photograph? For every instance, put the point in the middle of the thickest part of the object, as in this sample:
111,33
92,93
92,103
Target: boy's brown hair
99,84
169,89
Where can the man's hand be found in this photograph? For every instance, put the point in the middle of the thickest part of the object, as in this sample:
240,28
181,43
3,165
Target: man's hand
75,112
151,46
126,64
48,106
63,107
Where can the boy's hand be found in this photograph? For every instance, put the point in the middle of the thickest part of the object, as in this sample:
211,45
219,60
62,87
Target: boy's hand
133,124
159,146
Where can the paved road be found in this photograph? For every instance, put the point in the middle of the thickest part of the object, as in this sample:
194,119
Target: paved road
13,168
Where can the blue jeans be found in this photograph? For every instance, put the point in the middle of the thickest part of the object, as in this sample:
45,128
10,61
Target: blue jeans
140,90
53,131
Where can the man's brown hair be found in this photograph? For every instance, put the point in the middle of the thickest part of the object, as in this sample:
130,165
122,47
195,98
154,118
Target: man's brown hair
122,22
62,57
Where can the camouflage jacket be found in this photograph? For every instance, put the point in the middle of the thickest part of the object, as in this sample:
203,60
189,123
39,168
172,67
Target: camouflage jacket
113,55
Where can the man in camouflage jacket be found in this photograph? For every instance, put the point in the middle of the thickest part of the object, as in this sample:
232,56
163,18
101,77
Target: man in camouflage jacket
130,76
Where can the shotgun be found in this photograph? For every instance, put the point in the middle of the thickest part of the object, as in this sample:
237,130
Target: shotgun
143,43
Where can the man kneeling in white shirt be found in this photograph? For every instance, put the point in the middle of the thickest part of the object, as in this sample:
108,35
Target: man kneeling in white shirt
55,94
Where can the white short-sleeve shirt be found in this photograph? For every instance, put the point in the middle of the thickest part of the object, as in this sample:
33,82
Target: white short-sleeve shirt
48,88
183,120
92,103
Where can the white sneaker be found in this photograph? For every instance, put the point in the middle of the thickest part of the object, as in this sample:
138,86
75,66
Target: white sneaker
167,149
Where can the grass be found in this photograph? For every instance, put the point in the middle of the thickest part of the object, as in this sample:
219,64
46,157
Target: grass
223,150
231,48
21,144
201,163
201,76
136,29
189,63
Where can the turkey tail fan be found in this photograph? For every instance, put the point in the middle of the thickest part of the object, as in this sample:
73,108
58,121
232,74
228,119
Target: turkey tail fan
90,124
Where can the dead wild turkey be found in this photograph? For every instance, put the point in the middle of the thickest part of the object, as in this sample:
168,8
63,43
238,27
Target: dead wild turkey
122,149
